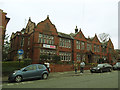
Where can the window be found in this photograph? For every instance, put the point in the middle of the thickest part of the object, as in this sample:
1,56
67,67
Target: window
82,45
43,40
78,57
47,52
64,43
46,39
110,50
65,56
22,41
69,45
29,41
31,67
77,44
96,58
98,48
95,48
40,66
89,47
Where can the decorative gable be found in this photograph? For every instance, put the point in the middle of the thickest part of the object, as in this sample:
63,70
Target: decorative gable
30,26
110,44
46,27
80,36
95,39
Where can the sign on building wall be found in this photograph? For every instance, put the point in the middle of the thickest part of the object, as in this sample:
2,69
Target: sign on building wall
49,46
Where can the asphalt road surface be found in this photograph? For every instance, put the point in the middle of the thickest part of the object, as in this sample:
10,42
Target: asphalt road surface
71,80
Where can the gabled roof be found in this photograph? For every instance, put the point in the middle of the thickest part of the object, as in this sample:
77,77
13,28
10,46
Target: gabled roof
47,24
89,39
7,19
109,41
30,21
46,20
78,33
73,34
95,38
65,35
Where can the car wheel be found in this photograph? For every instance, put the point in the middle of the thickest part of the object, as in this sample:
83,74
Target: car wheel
91,71
101,71
110,70
18,78
45,76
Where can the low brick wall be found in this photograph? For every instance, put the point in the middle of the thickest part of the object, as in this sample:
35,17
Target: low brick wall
65,67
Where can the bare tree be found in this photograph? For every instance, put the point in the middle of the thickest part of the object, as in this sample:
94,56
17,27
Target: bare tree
104,37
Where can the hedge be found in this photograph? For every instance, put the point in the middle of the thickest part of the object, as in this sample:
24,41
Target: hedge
9,66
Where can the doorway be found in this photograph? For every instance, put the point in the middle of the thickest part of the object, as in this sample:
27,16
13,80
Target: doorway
89,58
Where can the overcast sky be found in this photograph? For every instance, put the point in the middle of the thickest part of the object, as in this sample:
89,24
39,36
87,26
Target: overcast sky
92,16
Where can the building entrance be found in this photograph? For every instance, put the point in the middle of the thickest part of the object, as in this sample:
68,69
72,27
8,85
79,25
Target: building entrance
89,58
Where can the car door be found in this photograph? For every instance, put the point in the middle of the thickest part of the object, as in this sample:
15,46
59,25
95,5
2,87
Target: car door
41,69
30,72
107,67
104,67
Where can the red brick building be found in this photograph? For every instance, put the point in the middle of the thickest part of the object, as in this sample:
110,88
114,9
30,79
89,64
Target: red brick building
3,23
44,39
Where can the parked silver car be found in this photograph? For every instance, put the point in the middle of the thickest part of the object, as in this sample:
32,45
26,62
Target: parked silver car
116,66
29,72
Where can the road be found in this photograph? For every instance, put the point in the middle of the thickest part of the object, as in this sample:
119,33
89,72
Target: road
71,80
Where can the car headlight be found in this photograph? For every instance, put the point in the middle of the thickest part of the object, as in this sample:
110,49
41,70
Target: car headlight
98,68
14,73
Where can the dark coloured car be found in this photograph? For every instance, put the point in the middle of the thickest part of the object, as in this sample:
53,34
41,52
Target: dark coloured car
116,66
105,67
29,72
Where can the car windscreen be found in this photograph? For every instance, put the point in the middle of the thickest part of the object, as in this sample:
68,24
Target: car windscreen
118,64
100,65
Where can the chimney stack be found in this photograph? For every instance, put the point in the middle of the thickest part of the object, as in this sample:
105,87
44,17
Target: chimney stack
76,29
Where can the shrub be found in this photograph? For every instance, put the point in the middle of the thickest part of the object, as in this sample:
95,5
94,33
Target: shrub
56,59
27,61
10,66
43,58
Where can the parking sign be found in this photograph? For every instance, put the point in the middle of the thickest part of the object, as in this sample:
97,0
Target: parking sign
20,51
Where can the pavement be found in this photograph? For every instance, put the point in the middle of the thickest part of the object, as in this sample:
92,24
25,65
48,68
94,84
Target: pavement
57,75
68,73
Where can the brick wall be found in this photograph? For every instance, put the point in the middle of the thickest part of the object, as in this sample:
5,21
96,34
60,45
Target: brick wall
62,68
